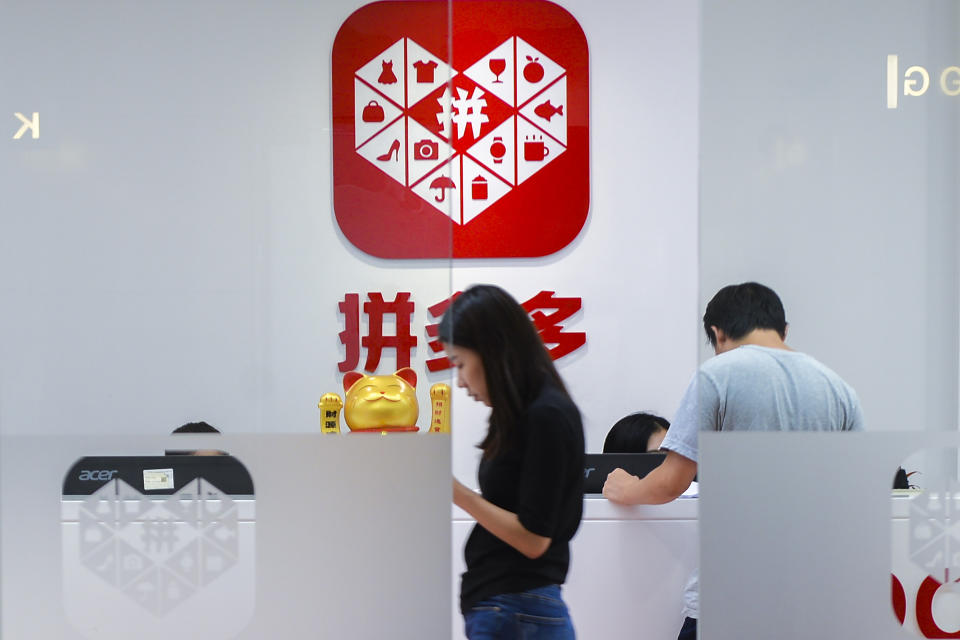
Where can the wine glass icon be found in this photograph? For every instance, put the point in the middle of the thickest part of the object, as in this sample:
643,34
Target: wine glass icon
497,66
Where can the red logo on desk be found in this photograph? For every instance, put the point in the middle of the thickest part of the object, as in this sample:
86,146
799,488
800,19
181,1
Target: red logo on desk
478,152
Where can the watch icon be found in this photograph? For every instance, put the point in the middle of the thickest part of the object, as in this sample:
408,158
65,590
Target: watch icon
498,149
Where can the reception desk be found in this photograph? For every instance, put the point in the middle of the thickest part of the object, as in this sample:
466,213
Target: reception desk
629,566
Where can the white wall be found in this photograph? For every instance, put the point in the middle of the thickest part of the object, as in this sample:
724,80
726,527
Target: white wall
169,252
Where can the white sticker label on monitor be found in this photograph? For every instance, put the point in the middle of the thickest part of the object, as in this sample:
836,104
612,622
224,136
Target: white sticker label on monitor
154,479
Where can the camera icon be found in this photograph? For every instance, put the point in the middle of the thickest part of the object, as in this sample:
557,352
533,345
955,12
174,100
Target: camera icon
426,150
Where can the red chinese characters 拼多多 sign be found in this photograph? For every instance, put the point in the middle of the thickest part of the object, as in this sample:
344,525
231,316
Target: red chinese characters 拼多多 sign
546,310
475,150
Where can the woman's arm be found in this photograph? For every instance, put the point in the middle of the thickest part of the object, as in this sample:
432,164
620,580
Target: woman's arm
500,522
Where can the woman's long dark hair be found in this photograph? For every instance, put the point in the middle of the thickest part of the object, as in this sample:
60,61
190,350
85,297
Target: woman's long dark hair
487,320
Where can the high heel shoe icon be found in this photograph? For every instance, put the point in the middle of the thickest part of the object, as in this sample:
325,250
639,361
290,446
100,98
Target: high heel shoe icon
394,150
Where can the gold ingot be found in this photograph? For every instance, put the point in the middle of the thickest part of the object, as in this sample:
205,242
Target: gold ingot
440,399
330,405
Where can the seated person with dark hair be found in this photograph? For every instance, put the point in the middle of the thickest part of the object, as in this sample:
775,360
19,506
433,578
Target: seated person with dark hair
195,427
636,433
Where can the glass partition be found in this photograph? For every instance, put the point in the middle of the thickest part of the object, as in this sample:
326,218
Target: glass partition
217,212
301,555
218,215
801,535
829,171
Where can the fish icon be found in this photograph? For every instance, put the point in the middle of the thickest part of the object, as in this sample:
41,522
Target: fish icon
546,110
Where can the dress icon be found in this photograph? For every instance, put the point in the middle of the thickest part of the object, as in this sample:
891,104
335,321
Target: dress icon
386,75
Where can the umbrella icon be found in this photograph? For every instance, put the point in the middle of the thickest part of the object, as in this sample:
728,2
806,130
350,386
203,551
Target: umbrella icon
443,182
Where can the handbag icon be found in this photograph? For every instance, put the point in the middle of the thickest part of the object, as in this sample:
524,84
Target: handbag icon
373,112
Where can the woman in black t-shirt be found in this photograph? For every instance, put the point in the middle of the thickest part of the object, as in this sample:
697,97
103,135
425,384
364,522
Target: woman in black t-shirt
530,475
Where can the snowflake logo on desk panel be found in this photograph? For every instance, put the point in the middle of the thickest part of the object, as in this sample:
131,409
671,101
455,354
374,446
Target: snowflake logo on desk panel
935,532
159,553
480,138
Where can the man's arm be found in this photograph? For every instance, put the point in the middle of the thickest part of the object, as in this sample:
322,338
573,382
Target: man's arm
664,484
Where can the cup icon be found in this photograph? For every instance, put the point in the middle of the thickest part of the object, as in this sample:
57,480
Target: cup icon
535,150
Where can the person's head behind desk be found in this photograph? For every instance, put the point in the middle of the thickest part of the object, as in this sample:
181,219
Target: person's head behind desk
636,433
484,324
739,309
196,427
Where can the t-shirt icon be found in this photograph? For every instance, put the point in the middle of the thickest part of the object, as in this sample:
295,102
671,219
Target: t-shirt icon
425,70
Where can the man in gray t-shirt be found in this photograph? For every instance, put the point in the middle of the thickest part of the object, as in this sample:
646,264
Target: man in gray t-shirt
755,383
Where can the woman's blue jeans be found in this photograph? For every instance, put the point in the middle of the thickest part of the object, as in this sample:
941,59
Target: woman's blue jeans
537,614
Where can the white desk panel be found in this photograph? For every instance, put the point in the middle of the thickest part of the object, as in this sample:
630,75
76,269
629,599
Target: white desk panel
628,568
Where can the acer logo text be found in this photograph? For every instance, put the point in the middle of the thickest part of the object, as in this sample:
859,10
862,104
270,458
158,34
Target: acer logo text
96,475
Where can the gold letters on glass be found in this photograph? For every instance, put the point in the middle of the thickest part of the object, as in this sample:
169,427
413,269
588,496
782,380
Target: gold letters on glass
916,81
32,125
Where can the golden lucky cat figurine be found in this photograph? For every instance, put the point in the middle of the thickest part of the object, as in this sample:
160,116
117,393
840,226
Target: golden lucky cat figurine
381,403
378,404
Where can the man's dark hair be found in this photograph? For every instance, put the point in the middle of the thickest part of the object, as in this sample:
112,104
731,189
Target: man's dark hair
738,309
631,434
196,427
486,319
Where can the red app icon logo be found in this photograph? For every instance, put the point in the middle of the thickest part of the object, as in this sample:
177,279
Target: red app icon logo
460,129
